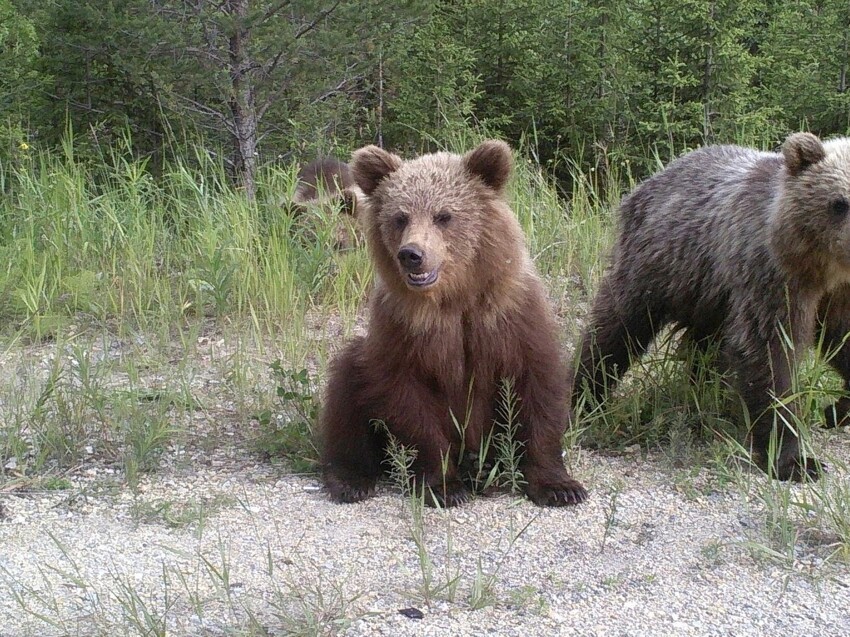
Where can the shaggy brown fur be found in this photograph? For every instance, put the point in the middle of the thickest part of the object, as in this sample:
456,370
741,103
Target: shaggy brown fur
742,248
325,177
326,182
457,307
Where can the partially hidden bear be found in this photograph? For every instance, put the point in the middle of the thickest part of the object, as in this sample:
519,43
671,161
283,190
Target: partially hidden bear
743,249
457,307
327,183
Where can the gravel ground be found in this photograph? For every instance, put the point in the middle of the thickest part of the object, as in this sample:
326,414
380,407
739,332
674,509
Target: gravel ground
234,546
218,542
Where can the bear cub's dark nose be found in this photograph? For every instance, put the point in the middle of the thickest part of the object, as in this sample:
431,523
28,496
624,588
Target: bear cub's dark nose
410,257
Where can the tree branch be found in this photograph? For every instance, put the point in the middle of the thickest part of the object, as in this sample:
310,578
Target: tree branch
206,110
338,88
270,13
269,67
80,105
304,30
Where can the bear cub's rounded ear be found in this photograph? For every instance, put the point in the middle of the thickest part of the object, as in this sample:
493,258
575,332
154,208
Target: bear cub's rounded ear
492,162
370,165
801,150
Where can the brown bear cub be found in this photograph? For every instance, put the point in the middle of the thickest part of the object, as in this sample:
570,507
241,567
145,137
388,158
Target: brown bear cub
326,182
323,177
740,248
457,307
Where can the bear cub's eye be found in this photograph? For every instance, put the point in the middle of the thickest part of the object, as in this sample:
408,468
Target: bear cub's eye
443,218
400,221
838,208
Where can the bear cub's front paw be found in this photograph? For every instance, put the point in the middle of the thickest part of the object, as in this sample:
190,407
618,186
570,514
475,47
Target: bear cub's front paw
349,489
557,494
801,470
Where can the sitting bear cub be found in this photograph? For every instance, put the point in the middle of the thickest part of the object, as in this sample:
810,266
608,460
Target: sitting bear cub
457,307
745,249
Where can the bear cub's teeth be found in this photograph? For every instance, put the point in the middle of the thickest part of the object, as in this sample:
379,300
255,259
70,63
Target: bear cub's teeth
421,279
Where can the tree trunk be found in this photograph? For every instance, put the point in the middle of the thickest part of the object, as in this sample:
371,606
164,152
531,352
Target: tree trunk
381,97
842,74
243,106
708,68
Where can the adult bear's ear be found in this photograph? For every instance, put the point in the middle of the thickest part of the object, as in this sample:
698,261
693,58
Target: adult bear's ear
370,165
492,162
801,150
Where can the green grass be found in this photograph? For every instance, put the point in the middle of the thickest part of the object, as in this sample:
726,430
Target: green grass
116,246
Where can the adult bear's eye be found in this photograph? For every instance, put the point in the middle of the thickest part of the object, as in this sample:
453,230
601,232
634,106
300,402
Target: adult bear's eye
838,208
400,221
443,218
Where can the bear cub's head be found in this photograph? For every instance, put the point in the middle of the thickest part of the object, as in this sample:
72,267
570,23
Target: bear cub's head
428,218
812,228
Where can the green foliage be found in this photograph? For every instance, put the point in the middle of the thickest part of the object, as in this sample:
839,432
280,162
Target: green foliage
430,57
804,60
688,71
18,52
19,82
673,395
588,83
96,58
286,77
288,431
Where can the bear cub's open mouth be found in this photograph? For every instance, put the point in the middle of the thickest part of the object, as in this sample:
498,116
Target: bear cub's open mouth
422,279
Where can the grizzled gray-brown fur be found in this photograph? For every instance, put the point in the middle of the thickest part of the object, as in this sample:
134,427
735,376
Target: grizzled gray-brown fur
743,249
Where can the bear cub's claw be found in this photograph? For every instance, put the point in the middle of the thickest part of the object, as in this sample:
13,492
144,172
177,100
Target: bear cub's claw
451,493
349,489
565,493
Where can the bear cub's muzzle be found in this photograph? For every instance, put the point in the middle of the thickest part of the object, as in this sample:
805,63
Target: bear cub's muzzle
413,262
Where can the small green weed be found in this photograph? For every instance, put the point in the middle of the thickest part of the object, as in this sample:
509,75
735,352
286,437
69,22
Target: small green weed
289,432
177,515
147,429
52,483
214,276
484,582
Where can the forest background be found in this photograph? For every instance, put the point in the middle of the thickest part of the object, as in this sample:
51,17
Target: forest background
581,83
